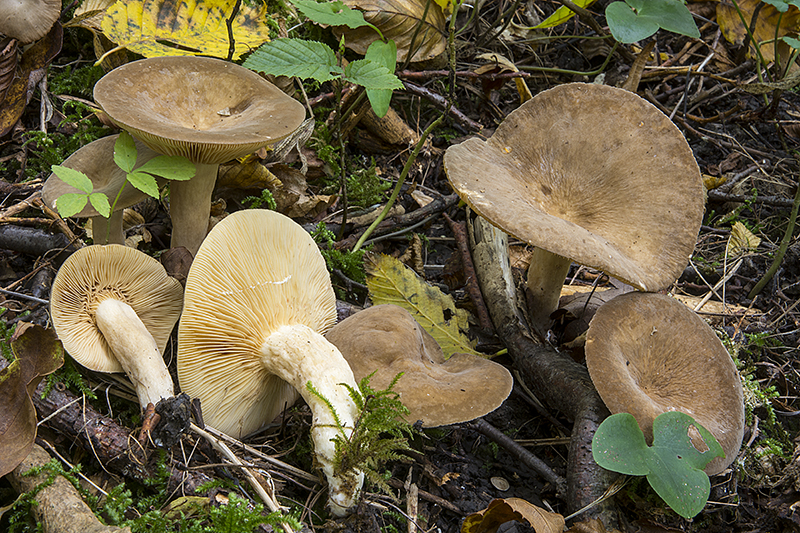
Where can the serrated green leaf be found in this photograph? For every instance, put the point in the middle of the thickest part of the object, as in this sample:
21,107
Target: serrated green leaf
72,177
562,15
371,75
144,182
173,167
100,203
71,204
295,57
391,282
332,14
618,445
382,53
125,152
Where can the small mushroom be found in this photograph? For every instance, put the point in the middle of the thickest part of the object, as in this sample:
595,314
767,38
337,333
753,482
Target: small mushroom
586,173
28,20
648,353
207,110
96,160
258,299
386,339
114,308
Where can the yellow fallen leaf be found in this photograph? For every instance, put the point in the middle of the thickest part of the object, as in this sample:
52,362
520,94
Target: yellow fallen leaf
741,241
391,282
501,511
155,28
770,24
562,14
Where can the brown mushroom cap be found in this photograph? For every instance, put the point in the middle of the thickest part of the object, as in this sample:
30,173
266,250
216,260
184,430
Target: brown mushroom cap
575,171
96,160
256,271
28,20
387,339
207,110
100,272
648,353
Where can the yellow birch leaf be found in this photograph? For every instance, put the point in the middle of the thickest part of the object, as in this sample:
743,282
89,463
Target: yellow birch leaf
562,14
391,282
155,28
742,240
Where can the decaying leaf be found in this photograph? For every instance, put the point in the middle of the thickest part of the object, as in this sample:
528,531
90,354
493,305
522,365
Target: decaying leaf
392,282
8,64
712,182
155,28
770,24
500,63
501,511
741,241
398,19
37,353
90,14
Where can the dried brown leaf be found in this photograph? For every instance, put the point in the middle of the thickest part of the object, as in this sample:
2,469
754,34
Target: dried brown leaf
501,511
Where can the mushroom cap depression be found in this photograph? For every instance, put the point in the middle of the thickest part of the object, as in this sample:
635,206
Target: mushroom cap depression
96,160
207,110
28,20
592,173
648,353
99,272
256,271
386,339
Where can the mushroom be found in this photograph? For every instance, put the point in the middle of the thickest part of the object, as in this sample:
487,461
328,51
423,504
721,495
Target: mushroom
207,110
648,353
28,20
258,299
386,340
114,308
586,173
96,160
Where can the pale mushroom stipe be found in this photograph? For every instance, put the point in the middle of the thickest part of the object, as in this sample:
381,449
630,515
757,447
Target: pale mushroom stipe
114,308
648,353
258,300
207,110
573,172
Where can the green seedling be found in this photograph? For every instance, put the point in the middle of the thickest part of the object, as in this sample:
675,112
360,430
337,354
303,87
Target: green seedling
143,178
673,464
633,20
312,59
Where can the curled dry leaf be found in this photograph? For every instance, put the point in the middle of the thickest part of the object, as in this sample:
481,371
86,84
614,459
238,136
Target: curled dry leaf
397,20
37,353
501,511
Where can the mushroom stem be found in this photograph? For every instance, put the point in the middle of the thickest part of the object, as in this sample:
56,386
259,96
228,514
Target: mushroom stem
298,355
546,275
108,230
136,351
190,207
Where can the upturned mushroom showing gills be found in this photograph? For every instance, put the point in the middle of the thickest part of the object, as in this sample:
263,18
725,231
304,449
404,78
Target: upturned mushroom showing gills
207,110
258,299
386,340
586,173
114,307
96,160
648,353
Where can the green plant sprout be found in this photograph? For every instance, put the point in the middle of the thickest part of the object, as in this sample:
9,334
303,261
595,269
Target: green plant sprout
312,59
633,20
673,465
381,431
165,166
351,263
266,200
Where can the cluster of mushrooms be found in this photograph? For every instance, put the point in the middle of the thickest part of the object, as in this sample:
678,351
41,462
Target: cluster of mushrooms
596,175
258,312
258,299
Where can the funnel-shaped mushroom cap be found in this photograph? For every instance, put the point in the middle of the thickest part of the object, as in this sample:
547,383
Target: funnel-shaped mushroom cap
28,20
648,354
96,160
387,339
207,110
591,173
98,273
256,271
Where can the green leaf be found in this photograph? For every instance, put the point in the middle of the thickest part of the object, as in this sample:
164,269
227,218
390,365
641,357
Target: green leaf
70,204
100,203
562,15
671,15
332,14
382,53
125,152
173,167
618,445
639,19
72,177
295,57
371,75
144,182
626,26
